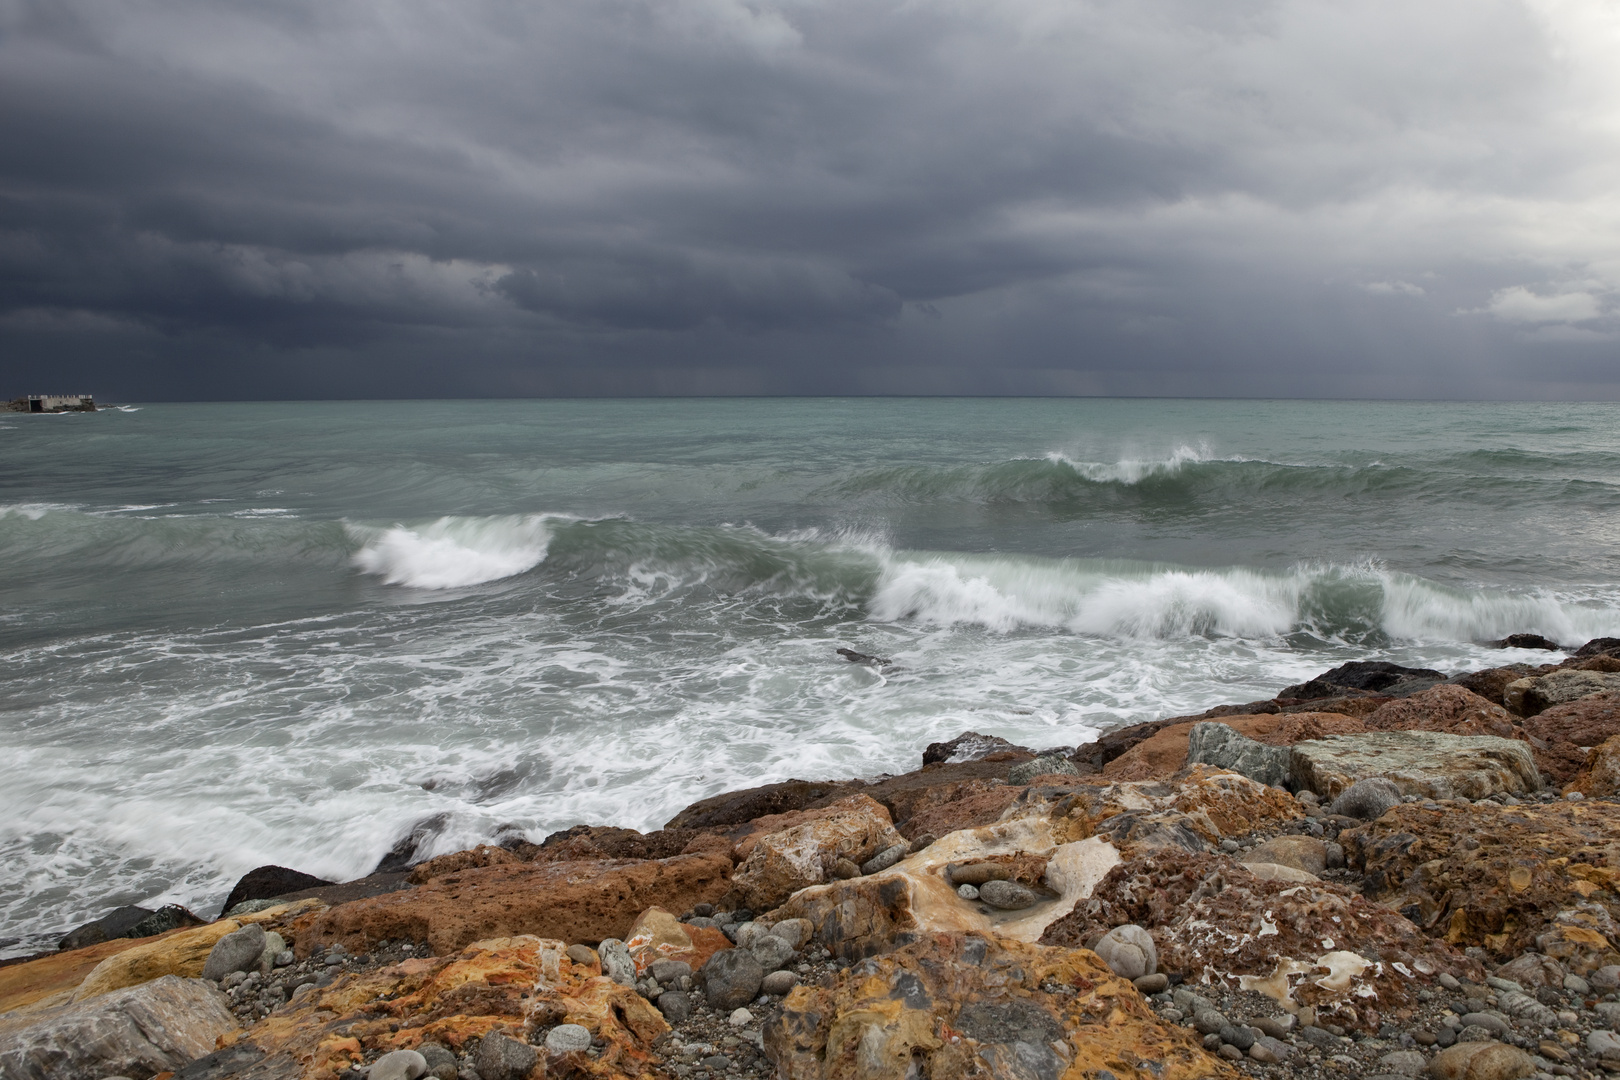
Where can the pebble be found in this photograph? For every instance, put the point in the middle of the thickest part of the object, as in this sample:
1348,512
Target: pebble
1240,1037
885,859
1270,1051
1156,983
772,952
1449,981
1230,846
1128,951
676,1005
1577,985
845,870
968,892
1209,1022
616,962
779,983
1277,1027
581,954
398,1065
669,972
1403,1063
796,932
741,1018
1007,895
568,1039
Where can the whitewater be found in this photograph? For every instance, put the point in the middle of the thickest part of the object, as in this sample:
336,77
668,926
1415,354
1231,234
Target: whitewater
308,634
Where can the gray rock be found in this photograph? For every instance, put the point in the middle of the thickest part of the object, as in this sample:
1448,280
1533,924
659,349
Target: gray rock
1335,855
1427,764
772,952
968,892
779,983
114,924
676,1005
1577,985
1239,1036
1366,800
1491,1022
1606,978
503,1058
1270,1051
1321,1038
238,950
157,1026
581,954
1448,981
1152,984
568,1039
747,933
1475,1033
1603,1042
796,932
1225,748
1047,764
397,1065
1403,1063
274,946
1522,1006
1277,1027
441,1062
616,963
731,979
1129,953
1007,895
885,858
668,972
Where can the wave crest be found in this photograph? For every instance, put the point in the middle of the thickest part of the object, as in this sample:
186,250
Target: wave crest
453,552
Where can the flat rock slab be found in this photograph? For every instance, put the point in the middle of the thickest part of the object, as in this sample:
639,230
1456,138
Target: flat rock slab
1423,763
155,1027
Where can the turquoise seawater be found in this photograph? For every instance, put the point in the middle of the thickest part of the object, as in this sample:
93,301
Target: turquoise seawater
295,633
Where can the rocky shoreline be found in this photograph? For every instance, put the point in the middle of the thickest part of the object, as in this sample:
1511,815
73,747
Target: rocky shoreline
1382,872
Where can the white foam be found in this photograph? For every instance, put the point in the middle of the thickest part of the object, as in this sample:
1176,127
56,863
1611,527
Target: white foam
1135,470
453,552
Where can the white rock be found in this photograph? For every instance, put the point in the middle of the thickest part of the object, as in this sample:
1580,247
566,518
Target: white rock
1128,951
397,1065
741,1018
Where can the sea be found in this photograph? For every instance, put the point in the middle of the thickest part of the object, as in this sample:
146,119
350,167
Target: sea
306,633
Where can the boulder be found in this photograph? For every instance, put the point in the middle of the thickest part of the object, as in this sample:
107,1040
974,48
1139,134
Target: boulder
269,882
657,937
1603,769
1495,877
1305,853
1526,641
489,991
1216,922
732,979
780,863
114,924
971,746
1223,747
882,1019
1233,804
1533,970
238,950
966,804
574,901
1529,697
1045,765
1603,646
1560,736
740,807
1449,709
183,953
136,1031
1418,763
1164,754
1371,676
1492,682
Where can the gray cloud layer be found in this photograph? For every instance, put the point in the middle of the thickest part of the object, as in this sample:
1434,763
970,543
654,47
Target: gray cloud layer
290,197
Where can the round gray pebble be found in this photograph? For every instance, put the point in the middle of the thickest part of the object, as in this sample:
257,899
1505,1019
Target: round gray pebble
568,1039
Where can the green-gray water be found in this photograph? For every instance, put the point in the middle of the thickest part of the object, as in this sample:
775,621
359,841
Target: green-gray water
286,633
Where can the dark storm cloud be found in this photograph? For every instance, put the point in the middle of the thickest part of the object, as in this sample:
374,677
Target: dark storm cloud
490,196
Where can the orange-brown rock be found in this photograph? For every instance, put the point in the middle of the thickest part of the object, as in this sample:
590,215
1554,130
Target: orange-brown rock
574,901
658,935
739,807
1319,944
482,855
1490,683
1603,769
964,1005
1449,709
1561,735
54,976
1165,753
1492,876
960,806
1234,804
515,986
803,851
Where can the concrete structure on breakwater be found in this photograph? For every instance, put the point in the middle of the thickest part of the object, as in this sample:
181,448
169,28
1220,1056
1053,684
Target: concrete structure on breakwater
50,403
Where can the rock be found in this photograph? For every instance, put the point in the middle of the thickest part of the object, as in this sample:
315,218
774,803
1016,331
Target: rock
741,1018
1450,709
1490,683
616,962
1602,778
1495,877
657,936
1526,641
885,858
1128,951
1164,754
568,1039
1268,871
1533,970
1222,747
1577,985
1046,765
1529,697
772,952
796,932
581,954
1522,1006
676,1005
1270,1051
1366,799
1007,895
136,1031
1606,978
882,1018
1486,1021
112,925
269,882
1367,675
732,979
1603,1043
1277,1027
967,892
669,972
571,901
1603,646
1403,1063
1233,804
441,1063
238,950
781,863
1189,902
1209,1022
502,1058
1305,853
969,746
398,1065
779,983
274,946
843,870
1422,763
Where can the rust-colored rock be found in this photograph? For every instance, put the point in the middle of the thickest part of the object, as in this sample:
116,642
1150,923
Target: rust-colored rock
740,807
1603,769
966,805
1561,735
1211,918
1165,753
803,853
1490,683
1234,804
1449,709
1487,875
482,855
573,901
658,935
515,986
965,1005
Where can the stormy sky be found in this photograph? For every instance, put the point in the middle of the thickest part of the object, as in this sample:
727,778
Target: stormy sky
301,198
